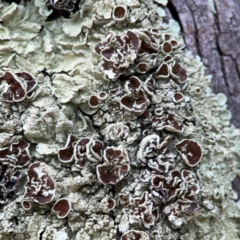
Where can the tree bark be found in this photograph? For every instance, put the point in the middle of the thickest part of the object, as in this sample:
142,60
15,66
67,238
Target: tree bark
215,37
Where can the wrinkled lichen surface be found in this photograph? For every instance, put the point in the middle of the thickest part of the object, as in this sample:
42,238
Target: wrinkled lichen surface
109,129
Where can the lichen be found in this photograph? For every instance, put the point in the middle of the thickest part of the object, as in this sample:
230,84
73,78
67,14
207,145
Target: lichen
109,129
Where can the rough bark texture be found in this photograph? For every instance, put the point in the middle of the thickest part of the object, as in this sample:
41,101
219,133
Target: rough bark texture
215,37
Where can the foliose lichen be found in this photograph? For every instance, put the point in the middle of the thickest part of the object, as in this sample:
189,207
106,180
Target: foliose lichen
109,129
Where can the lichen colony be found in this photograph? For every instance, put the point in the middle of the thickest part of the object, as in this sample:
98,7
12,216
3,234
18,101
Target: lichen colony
109,129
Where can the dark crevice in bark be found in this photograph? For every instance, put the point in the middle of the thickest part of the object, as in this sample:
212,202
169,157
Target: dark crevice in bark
236,187
238,73
41,234
119,234
16,220
174,13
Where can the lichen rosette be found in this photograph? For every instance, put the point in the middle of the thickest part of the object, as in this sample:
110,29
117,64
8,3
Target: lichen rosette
83,151
135,51
117,53
18,86
12,159
116,166
9,178
40,187
143,211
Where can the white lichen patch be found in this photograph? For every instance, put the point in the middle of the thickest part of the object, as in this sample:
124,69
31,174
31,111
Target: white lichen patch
162,2
108,129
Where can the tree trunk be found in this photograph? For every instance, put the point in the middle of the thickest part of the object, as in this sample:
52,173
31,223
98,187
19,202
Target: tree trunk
215,37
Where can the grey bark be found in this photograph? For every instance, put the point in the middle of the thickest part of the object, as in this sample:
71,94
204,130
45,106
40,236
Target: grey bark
215,37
